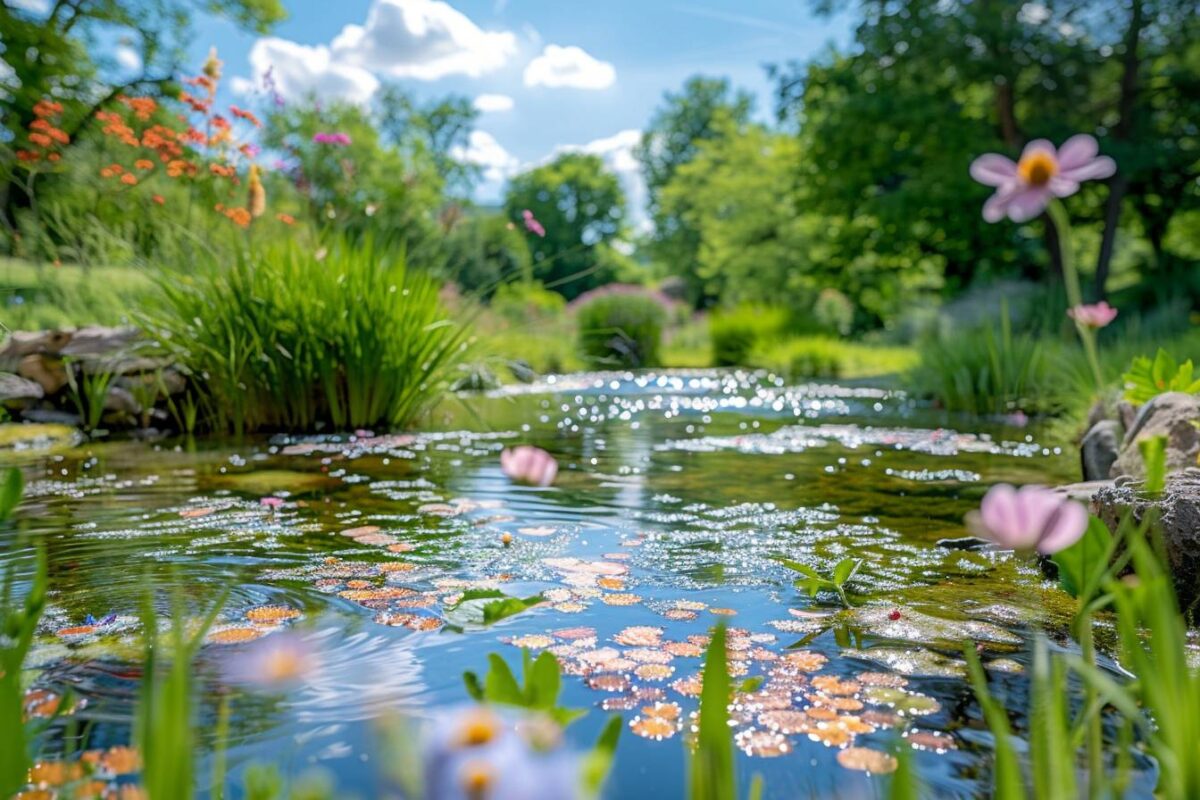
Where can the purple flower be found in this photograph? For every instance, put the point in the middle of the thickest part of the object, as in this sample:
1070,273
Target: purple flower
277,661
532,225
1029,518
1024,188
340,139
528,464
1096,315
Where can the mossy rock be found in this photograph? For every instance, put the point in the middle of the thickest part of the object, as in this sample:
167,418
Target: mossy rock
36,438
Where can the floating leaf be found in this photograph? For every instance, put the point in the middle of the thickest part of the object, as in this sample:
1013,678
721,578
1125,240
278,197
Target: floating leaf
867,760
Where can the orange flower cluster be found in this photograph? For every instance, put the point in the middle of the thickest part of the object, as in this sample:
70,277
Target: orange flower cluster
115,127
242,113
142,107
239,216
286,219
45,137
179,167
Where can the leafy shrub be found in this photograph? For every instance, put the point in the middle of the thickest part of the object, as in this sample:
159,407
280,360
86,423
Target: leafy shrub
519,302
737,332
825,357
36,297
982,371
621,329
834,312
286,338
1146,378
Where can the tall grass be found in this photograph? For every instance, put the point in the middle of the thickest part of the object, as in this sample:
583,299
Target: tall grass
38,296
825,357
288,338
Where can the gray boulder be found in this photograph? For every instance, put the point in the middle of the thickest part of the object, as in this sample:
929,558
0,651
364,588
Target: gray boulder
1179,514
1174,415
1099,449
19,392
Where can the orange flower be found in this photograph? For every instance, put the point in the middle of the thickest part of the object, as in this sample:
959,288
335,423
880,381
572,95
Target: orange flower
40,139
142,107
40,125
286,219
54,156
239,216
128,179
242,113
256,199
144,163
47,108
158,198
28,156
223,171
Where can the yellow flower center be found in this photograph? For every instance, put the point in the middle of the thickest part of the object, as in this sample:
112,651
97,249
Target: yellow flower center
478,730
477,779
282,665
1037,168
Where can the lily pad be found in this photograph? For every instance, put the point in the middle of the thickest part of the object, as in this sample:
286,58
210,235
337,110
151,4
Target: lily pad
274,481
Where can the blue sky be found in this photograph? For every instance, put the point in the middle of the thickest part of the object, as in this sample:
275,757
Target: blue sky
576,74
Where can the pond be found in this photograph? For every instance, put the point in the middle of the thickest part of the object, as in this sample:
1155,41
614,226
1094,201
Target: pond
676,493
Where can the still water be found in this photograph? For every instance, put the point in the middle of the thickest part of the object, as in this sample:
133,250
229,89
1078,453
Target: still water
676,493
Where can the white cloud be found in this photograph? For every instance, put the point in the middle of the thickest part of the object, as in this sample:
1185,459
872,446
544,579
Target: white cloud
496,164
32,6
424,39
486,103
1033,14
242,87
128,58
299,69
569,67
616,152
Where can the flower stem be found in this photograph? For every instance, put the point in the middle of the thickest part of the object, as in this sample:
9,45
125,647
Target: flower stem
1095,736
1062,224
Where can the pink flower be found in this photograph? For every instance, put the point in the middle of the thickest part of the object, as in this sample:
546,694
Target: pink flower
532,225
527,464
271,502
1024,188
1096,315
274,662
1028,518
341,139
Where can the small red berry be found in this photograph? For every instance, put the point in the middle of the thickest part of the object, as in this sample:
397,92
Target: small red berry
894,615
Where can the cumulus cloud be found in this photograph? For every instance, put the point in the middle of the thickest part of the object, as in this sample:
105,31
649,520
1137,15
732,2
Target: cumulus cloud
616,152
424,39
299,70
569,67
496,164
486,103
127,58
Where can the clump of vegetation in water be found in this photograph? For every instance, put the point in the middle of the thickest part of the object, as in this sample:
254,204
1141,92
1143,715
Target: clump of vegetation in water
291,338
621,329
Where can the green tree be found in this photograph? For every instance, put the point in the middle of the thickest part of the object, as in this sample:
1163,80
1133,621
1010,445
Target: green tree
486,251
581,207
434,129
675,132
363,187
53,54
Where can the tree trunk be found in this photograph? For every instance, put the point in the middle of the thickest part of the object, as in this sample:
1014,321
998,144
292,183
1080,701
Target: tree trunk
1122,132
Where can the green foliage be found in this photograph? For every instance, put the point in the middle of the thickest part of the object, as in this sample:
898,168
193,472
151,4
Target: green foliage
982,371
542,684
288,338
582,209
1153,450
712,774
18,622
736,332
1083,565
165,726
486,606
43,296
622,329
11,488
1146,378
1006,771
798,357
485,255
432,130
834,312
523,302
89,390
599,760
814,582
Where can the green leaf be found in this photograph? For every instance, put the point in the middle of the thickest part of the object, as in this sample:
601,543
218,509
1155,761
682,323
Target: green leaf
474,687
500,609
542,681
11,490
712,771
1154,457
598,762
750,685
1006,771
1164,369
477,594
1082,565
501,686
845,570
803,569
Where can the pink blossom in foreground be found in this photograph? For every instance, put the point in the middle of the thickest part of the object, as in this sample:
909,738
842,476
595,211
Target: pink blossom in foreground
271,502
1029,518
341,139
1024,188
1096,315
527,464
532,225
274,662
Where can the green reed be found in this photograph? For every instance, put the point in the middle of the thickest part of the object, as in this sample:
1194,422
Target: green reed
290,338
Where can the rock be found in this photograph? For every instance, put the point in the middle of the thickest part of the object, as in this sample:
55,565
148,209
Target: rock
1179,515
96,340
46,370
37,437
19,392
1172,414
1099,449
23,343
51,416
122,401
1084,492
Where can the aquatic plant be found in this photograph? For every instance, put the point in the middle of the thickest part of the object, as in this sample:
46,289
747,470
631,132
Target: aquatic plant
539,691
621,329
289,338
712,768
486,606
1147,378
89,390
814,582
528,464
